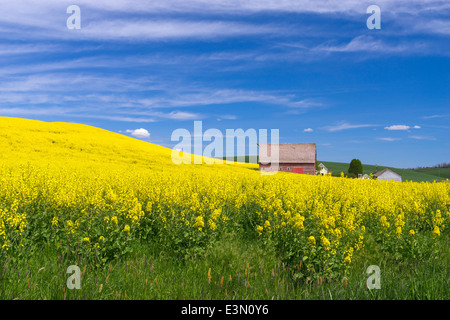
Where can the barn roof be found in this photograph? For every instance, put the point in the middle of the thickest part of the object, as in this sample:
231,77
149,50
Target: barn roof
379,173
289,152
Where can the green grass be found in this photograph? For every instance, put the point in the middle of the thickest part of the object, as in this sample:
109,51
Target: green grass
239,269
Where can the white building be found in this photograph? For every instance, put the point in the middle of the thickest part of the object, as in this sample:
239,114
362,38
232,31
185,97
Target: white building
387,174
323,170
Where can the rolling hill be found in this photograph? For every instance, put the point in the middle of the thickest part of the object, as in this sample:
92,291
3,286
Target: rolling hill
60,144
25,141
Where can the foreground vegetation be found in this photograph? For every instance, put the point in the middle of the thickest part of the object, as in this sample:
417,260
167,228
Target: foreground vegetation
232,269
141,227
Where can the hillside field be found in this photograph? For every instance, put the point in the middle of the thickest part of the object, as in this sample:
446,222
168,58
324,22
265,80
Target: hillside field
139,226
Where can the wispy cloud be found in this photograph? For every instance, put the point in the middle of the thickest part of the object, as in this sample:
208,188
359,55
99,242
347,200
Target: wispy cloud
437,116
370,44
347,126
389,139
142,20
227,117
171,29
252,6
422,138
308,130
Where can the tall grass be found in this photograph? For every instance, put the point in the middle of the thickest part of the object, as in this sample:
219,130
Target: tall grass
232,269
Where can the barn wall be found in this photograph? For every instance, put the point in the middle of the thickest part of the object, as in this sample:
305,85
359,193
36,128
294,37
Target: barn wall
308,168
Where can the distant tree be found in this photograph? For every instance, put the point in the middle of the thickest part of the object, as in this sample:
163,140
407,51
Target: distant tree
355,167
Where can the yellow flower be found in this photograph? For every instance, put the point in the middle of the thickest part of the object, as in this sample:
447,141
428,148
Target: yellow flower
384,222
126,228
114,220
199,223
55,221
436,232
102,238
212,224
326,243
411,232
259,229
398,232
312,240
86,239
216,213
348,259
298,221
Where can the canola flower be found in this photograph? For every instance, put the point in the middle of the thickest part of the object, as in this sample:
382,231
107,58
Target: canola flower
135,191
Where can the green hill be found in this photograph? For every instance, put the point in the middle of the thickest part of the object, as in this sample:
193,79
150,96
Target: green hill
426,174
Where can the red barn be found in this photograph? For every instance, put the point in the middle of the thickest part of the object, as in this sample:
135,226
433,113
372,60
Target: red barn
293,157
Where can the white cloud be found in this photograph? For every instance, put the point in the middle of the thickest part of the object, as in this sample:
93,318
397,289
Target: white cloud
226,117
398,127
248,6
346,126
362,43
181,115
171,29
401,127
27,15
437,116
308,130
139,133
389,139
422,138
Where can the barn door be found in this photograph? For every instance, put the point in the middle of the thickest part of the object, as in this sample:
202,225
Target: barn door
297,170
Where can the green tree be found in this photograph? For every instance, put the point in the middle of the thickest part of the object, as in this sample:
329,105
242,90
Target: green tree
355,167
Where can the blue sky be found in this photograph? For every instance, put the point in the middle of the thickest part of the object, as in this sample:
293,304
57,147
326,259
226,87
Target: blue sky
311,69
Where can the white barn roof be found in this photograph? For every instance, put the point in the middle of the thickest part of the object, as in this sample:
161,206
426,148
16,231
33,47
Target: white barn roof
379,173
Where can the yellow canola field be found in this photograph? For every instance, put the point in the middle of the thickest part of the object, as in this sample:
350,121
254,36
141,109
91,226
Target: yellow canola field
98,193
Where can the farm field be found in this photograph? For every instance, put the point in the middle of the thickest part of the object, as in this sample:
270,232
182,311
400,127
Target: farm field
141,227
